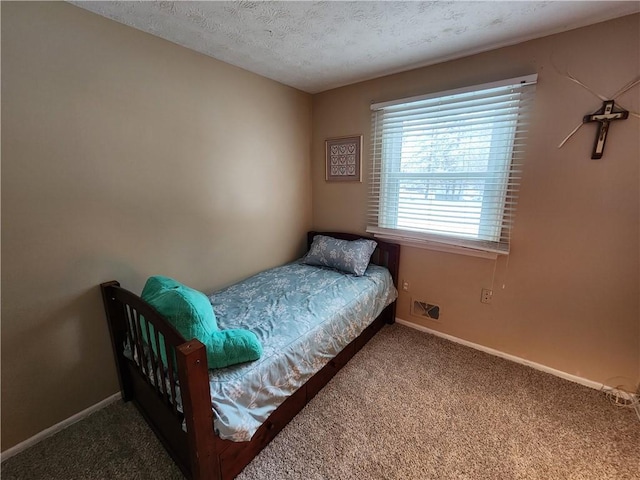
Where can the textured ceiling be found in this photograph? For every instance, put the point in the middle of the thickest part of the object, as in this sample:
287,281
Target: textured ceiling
316,46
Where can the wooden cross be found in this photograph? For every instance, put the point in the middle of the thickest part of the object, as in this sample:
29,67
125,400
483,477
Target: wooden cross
604,116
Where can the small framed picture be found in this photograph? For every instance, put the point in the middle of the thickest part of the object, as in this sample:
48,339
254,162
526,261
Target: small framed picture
343,158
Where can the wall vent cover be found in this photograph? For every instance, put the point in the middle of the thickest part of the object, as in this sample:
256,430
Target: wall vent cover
425,310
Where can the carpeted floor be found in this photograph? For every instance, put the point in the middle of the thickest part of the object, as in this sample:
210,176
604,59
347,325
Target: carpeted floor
408,406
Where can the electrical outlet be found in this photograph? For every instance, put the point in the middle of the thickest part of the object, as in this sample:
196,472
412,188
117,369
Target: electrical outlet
487,295
405,286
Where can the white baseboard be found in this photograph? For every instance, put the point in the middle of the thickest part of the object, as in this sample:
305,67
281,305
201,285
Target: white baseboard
10,452
538,366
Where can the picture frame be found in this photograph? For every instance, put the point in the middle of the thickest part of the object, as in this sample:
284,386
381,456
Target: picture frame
343,159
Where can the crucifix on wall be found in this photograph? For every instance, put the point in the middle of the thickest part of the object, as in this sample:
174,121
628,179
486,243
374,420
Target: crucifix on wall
608,113
604,116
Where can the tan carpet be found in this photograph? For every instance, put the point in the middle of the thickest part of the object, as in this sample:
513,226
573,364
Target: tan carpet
408,406
414,406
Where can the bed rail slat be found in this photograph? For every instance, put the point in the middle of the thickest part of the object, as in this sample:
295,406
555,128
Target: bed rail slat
142,358
172,381
161,367
154,362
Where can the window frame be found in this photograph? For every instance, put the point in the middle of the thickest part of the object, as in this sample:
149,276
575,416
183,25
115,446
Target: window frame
389,156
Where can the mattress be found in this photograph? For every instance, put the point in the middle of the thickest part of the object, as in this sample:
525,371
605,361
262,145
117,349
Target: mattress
304,316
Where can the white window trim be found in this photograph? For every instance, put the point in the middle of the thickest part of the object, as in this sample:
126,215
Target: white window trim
427,242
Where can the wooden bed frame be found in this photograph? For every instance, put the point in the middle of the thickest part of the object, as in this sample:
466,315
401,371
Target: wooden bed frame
199,452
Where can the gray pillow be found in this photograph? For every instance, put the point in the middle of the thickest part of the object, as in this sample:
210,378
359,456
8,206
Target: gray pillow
344,255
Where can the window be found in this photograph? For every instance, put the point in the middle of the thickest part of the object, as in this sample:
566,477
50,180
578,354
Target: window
446,166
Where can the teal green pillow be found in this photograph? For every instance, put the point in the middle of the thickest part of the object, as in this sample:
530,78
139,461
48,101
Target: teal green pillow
191,313
228,347
152,286
188,310
157,284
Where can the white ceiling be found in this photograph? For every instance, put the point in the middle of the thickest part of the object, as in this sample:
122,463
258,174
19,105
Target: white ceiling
316,46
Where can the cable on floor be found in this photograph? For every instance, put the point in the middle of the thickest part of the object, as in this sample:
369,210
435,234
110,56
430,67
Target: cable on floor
621,397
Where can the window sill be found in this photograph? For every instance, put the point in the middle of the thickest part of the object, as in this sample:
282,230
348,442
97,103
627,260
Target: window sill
437,246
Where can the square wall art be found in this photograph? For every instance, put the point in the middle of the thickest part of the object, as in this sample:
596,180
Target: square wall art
343,158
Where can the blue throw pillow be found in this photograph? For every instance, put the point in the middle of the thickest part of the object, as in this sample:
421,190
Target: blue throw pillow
350,256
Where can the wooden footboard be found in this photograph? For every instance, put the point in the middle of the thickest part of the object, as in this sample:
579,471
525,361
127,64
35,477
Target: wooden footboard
153,387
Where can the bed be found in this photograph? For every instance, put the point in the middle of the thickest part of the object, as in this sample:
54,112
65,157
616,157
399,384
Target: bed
213,422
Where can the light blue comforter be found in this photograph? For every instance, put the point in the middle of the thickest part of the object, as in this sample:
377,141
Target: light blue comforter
304,316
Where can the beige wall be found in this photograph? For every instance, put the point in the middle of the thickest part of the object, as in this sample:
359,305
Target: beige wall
124,155
571,292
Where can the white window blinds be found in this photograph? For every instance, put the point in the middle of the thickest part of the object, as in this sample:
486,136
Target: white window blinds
446,166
